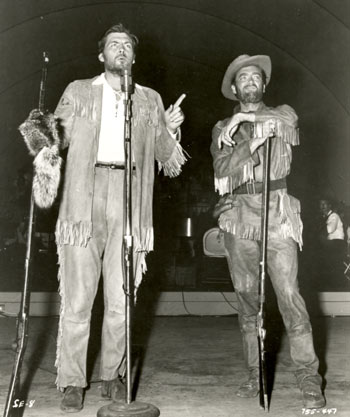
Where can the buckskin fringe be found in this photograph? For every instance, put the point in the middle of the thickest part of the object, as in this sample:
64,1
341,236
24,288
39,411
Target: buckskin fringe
62,309
141,268
142,249
73,233
246,231
288,134
86,110
290,228
287,230
290,224
243,231
147,241
228,184
172,167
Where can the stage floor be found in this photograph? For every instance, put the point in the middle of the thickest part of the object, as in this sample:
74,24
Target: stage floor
187,367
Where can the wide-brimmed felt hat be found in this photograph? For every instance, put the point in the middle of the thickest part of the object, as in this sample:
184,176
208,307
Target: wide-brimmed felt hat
262,61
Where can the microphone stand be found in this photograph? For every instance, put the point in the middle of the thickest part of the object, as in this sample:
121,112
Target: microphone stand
129,407
128,243
23,315
261,330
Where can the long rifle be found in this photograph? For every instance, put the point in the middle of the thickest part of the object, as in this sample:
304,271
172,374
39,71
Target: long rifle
23,315
262,276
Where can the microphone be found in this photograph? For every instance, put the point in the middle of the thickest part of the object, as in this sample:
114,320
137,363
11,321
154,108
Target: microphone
126,82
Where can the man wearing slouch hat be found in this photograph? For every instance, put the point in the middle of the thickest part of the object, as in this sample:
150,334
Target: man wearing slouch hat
237,150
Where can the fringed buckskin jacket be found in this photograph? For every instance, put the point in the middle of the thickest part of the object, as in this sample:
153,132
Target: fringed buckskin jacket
234,166
79,114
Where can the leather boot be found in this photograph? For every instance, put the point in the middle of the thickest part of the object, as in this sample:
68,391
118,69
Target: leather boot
114,389
249,388
312,395
73,399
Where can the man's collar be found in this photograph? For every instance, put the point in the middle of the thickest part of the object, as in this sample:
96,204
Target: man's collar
101,80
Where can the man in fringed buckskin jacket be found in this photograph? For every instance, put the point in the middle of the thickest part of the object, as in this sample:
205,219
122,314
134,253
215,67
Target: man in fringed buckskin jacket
89,230
237,154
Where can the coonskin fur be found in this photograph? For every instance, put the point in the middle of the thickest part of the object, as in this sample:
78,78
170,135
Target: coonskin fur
40,129
47,174
41,135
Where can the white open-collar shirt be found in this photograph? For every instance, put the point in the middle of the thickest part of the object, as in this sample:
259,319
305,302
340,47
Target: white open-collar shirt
111,138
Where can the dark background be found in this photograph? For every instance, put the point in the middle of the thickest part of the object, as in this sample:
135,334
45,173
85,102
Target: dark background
185,46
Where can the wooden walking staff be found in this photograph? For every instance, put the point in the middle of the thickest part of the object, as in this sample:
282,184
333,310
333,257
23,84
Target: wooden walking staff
129,407
23,315
261,331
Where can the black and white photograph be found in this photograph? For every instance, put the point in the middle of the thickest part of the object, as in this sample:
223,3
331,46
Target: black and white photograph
175,208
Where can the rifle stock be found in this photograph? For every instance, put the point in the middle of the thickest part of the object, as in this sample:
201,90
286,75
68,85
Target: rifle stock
23,315
261,331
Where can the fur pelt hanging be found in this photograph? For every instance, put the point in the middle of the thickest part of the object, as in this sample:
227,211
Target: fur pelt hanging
41,135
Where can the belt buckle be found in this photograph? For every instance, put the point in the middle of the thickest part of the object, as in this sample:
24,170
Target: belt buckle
113,166
250,187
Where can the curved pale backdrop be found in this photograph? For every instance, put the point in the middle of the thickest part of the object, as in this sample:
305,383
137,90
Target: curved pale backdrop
185,46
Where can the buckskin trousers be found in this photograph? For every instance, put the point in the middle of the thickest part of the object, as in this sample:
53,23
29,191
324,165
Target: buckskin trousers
82,267
243,258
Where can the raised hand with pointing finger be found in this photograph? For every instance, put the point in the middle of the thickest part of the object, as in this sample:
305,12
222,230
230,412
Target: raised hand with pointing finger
92,154
174,115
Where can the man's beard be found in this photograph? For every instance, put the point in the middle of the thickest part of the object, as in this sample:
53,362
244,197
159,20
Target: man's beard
117,68
246,97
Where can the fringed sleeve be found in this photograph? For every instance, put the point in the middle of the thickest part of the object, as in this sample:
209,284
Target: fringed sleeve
168,152
286,123
65,113
233,166
172,167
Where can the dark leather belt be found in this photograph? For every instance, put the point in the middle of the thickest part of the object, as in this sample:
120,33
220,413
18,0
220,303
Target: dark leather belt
111,166
256,187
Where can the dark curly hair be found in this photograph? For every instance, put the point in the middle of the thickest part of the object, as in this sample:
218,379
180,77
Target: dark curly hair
118,28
